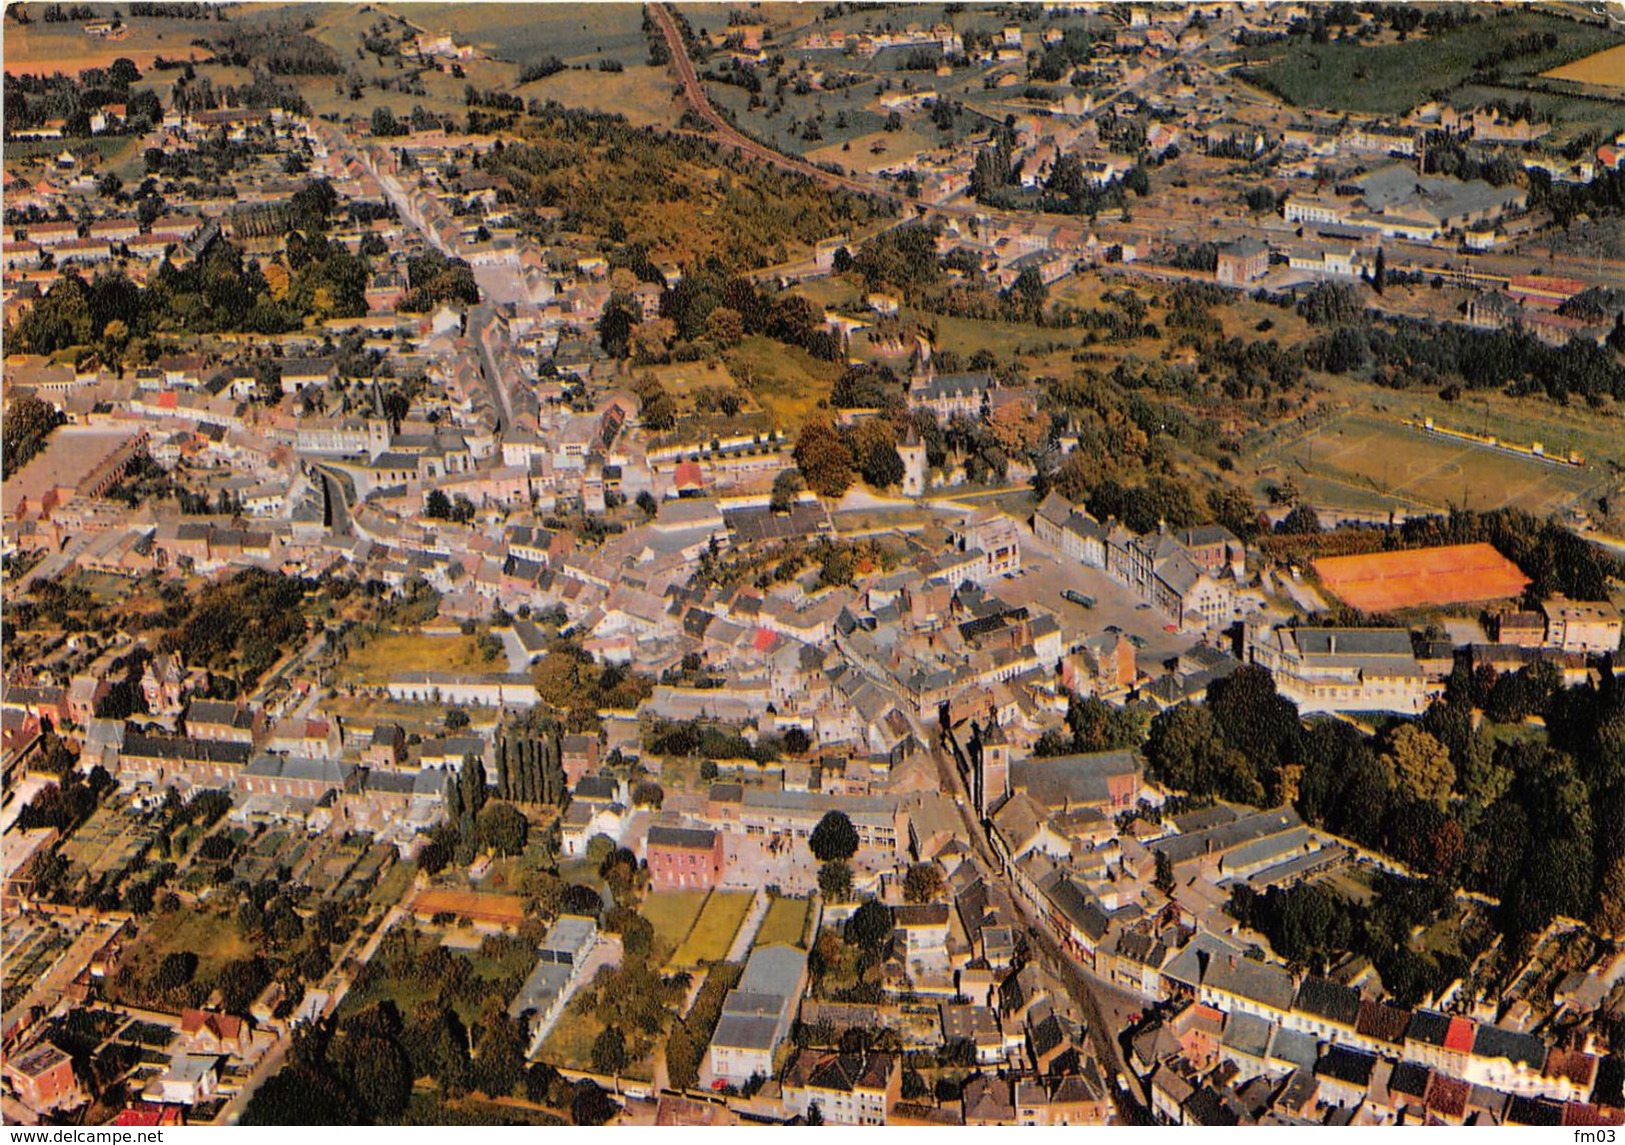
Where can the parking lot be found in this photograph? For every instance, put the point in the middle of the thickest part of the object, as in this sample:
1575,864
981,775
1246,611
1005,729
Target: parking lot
1046,574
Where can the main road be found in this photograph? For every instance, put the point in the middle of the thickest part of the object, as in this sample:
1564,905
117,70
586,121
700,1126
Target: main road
1086,990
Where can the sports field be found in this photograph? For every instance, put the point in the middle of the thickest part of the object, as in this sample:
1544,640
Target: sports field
1368,455
1408,578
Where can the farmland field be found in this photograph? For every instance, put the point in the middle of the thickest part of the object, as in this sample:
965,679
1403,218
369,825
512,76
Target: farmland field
1604,69
44,49
1380,460
714,932
1390,79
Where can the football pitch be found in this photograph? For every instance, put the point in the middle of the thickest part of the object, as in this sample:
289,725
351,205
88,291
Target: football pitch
1368,457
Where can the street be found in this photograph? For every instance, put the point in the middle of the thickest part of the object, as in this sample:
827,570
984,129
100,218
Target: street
1104,1023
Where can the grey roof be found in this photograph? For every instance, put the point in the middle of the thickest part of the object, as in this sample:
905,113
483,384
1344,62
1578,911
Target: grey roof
300,767
1255,981
1295,1047
1071,779
736,1031
1247,1034
1326,999
546,981
685,837
569,934
1227,836
1354,641
775,969
1494,1042
184,748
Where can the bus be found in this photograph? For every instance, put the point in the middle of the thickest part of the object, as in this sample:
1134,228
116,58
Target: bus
1077,597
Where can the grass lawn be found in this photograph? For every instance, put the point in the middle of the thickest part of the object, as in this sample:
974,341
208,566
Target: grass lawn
569,1042
428,1107
672,914
714,932
386,656
787,381
785,921
215,940
393,887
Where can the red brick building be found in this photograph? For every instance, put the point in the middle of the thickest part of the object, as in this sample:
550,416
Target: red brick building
43,1078
682,858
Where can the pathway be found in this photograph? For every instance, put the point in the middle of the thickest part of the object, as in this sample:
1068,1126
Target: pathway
749,927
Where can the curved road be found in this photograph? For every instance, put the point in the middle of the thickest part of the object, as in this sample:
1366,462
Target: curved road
727,134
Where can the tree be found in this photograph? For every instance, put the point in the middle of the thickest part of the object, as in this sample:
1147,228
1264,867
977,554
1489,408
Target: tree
28,422
824,459
437,506
797,741
456,719
377,1072
923,883
647,504
874,447
725,327
834,837
1019,427
621,313
835,881
609,1051
503,828
1301,520
1256,720
648,793
1164,878
787,487
591,1105
1420,764
870,926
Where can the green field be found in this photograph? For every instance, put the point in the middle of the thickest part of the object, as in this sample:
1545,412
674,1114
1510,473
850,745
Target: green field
785,921
527,33
787,381
672,914
1392,78
641,93
714,932
1378,461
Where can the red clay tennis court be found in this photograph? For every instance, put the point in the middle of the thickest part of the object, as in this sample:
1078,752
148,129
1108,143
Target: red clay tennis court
1448,574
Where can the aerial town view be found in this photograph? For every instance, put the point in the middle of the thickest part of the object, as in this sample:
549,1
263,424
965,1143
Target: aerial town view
760,563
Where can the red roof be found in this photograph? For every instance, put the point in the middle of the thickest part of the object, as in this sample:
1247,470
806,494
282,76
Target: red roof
143,1115
688,475
1460,1035
167,399
766,640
